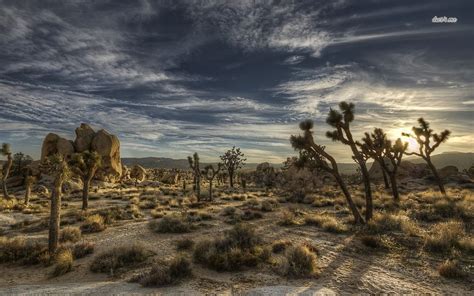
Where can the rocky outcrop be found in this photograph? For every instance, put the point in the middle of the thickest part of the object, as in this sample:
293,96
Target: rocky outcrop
138,173
104,143
53,144
405,170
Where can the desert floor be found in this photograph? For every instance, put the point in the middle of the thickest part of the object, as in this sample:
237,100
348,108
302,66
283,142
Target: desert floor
345,264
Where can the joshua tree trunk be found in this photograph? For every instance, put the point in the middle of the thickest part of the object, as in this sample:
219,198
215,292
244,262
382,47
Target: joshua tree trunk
355,212
368,190
198,188
231,179
54,219
393,180
385,179
8,167
210,190
85,193
436,176
27,193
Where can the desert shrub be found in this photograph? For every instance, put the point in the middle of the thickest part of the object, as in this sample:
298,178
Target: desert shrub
445,236
70,234
18,249
167,273
467,244
385,222
82,249
240,247
371,241
157,213
251,215
184,244
327,223
451,269
63,260
170,224
119,257
280,246
266,206
299,261
287,218
93,223
228,211
322,202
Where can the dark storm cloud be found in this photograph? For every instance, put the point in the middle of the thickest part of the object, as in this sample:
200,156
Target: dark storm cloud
173,77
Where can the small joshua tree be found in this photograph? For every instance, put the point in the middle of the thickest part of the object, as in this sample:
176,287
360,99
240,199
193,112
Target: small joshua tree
233,160
20,161
378,147
314,156
85,165
428,141
341,121
57,167
194,165
6,151
210,173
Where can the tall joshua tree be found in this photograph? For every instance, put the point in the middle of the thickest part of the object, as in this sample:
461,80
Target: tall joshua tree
57,167
315,155
194,165
428,141
85,165
377,146
6,151
233,160
210,173
341,122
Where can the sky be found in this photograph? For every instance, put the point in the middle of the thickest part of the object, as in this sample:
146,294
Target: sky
170,78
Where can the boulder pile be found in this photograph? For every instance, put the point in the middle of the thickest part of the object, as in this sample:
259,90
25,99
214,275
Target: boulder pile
104,143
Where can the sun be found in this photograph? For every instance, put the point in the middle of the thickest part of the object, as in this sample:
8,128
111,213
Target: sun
397,133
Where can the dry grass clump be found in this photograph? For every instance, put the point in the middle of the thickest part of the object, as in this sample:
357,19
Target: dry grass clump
299,261
327,223
248,215
385,222
70,234
63,259
157,213
445,236
287,218
119,257
82,249
184,244
451,269
167,273
267,206
371,241
240,247
93,223
280,245
322,202
229,211
170,224
18,249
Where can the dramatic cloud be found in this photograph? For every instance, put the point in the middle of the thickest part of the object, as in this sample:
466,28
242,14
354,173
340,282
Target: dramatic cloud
174,77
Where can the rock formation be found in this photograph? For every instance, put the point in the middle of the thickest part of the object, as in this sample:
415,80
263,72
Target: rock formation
138,173
104,143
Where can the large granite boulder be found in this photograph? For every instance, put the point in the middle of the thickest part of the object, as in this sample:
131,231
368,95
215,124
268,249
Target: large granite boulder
104,143
108,146
138,173
84,136
53,144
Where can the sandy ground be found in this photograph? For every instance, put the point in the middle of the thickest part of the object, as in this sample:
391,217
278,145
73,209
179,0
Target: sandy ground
346,266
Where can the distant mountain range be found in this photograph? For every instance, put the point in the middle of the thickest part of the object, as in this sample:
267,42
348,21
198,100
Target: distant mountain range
459,159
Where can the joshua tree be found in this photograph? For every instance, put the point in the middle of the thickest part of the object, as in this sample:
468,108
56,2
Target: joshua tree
20,161
342,133
6,151
85,165
194,165
314,156
233,160
29,180
210,173
57,167
428,141
378,147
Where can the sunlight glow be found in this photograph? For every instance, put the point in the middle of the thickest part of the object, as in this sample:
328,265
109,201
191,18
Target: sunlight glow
397,133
